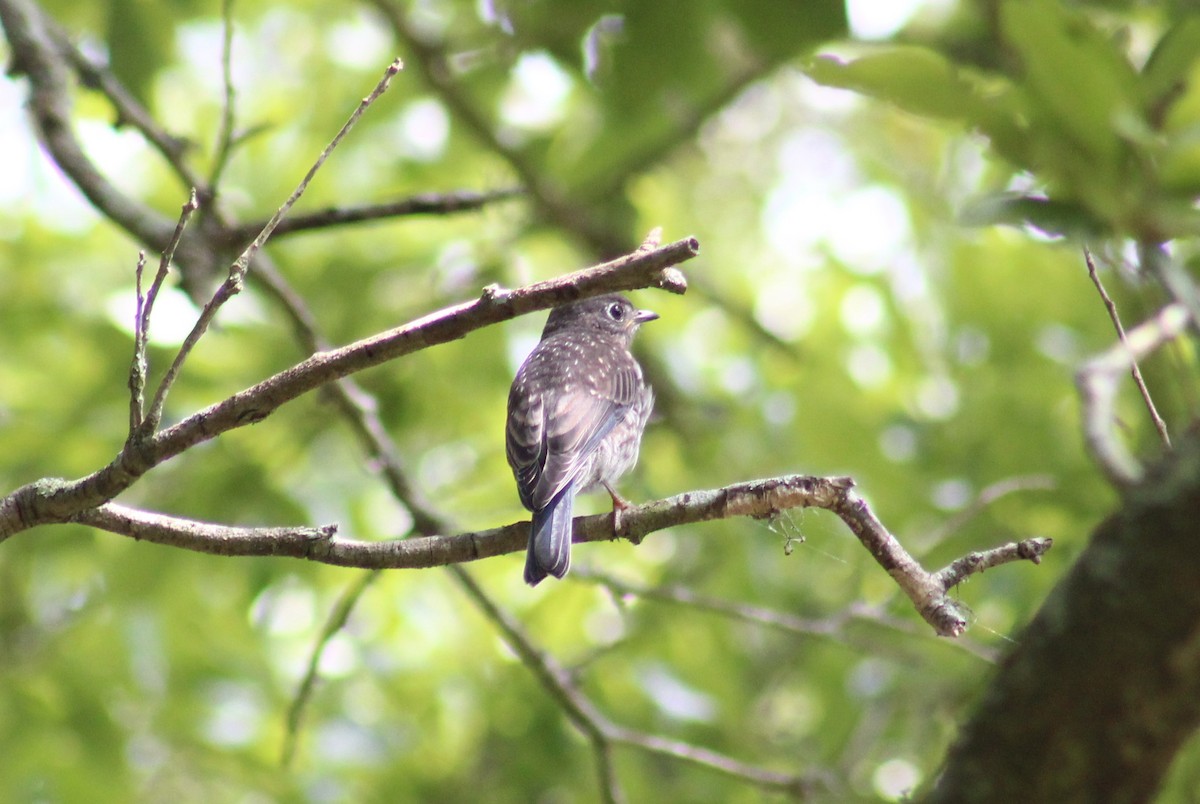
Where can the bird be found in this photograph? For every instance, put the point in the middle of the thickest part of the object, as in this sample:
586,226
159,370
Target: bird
576,412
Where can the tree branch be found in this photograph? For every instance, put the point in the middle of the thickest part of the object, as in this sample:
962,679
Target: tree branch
600,731
962,568
203,537
129,110
34,56
423,204
552,676
139,364
758,499
56,500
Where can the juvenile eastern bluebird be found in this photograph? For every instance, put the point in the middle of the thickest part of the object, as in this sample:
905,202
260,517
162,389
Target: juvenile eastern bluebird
576,413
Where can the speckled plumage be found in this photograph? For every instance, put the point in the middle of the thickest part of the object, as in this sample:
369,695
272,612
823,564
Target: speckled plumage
576,413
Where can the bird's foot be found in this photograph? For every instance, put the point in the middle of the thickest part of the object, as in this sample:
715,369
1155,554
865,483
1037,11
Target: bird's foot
619,506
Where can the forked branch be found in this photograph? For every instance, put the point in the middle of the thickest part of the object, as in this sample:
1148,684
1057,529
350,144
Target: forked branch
758,499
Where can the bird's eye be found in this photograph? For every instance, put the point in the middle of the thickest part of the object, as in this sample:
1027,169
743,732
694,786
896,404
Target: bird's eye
615,311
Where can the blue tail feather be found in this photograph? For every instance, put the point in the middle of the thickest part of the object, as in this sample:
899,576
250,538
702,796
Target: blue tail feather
550,539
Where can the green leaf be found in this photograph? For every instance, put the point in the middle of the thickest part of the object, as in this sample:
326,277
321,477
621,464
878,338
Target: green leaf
1168,70
648,102
139,42
1177,81
1077,78
1044,214
916,79
923,82
1179,164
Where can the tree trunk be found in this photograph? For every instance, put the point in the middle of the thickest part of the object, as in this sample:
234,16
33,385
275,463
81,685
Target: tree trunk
1104,686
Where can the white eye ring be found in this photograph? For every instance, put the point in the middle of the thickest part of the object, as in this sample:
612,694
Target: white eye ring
615,311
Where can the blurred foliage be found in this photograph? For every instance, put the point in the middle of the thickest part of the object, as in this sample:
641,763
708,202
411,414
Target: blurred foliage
1114,144
842,321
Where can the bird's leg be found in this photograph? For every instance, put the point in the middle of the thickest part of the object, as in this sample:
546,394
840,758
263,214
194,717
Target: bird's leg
619,506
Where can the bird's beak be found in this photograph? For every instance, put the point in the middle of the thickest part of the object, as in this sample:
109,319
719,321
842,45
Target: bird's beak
642,316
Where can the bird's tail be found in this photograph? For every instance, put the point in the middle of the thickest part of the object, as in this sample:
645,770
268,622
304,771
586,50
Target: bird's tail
550,539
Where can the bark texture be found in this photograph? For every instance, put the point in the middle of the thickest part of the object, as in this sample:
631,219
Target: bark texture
1104,686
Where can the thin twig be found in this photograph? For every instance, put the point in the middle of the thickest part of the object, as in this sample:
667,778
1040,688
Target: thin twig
1134,370
924,590
237,271
423,204
145,307
1097,383
164,264
606,772
224,146
987,496
137,371
335,622
798,785
833,628
243,261
961,568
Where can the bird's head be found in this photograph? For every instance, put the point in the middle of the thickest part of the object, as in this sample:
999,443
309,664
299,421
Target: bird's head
612,313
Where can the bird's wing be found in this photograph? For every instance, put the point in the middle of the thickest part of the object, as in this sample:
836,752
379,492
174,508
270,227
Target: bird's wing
573,431
525,440
549,442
